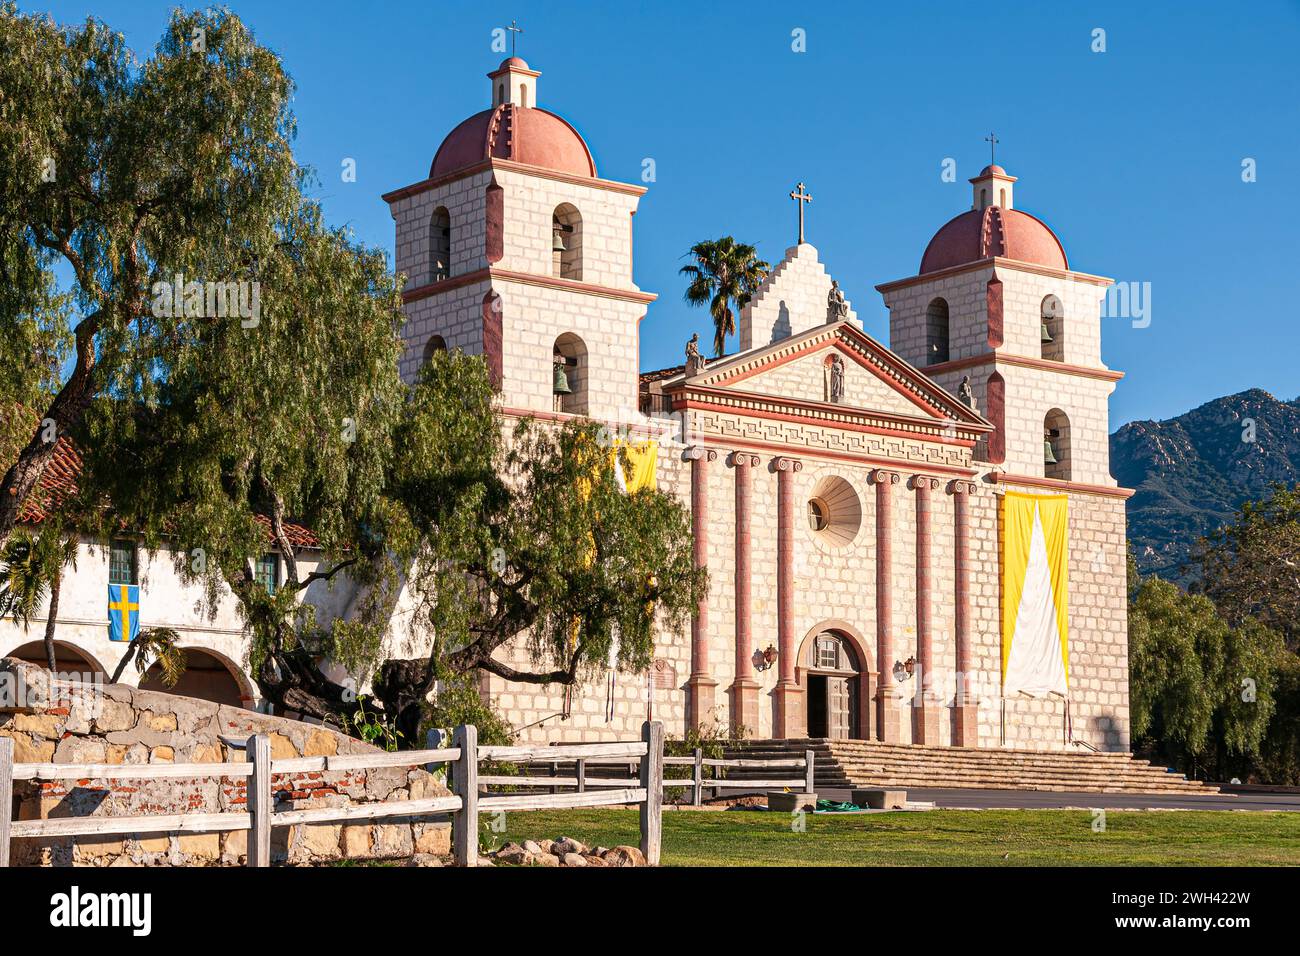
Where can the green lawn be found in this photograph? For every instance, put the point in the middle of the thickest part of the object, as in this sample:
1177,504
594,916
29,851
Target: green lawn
937,837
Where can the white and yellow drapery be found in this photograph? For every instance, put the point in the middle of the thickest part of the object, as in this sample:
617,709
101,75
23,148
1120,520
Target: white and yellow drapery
1035,601
642,457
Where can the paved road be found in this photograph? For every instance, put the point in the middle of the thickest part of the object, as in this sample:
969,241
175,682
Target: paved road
1049,799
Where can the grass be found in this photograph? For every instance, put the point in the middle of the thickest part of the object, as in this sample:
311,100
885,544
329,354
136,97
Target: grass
937,837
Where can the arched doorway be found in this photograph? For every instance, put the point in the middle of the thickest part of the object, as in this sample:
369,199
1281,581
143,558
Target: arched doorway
837,685
68,658
206,677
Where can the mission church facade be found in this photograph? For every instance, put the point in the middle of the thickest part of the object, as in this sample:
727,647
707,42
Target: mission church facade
869,577
846,501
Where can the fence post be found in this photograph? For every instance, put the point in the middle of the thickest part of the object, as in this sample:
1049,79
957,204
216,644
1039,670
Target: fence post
652,781
555,767
580,768
808,785
699,776
260,799
6,796
465,785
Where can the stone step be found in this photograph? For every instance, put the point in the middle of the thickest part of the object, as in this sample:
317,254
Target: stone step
845,763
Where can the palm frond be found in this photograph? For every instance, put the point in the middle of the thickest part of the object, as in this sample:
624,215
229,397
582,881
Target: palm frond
159,645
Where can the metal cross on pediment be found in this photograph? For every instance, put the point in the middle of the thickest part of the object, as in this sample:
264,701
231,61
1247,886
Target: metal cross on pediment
992,140
514,33
800,197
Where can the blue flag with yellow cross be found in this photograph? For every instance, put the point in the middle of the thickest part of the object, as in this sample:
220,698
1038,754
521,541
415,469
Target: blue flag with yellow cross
123,612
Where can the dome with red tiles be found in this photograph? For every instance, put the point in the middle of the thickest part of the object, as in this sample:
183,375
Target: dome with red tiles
993,231
516,130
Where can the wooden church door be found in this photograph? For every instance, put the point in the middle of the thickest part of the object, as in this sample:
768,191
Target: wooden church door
833,678
839,709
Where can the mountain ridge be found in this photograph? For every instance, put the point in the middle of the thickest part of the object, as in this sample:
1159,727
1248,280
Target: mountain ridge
1191,472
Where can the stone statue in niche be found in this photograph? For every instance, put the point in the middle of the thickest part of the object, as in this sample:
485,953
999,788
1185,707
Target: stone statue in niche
965,393
837,380
836,308
695,362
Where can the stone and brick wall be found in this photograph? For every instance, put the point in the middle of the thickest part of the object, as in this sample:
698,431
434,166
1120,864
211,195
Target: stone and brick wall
116,724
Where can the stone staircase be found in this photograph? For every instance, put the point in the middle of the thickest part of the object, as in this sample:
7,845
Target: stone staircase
868,763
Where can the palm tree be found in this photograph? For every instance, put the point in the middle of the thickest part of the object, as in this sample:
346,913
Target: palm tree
31,567
154,644
725,273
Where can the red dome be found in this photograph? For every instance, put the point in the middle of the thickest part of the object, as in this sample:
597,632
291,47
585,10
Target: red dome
523,135
993,231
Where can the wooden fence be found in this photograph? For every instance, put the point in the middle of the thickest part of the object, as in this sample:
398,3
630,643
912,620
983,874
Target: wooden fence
464,804
561,771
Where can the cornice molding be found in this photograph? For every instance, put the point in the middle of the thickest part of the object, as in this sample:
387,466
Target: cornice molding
508,165
826,415
1057,484
999,357
996,262
525,278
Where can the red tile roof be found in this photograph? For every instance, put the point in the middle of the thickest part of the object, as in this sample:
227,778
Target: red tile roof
59,482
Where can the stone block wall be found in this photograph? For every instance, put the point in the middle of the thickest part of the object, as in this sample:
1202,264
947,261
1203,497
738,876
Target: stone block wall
967,296
116,724
792,299
465,200
605,233
1098,628
534,316
455,314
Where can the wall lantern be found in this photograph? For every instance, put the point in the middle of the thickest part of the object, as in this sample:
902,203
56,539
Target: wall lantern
904,669
765,659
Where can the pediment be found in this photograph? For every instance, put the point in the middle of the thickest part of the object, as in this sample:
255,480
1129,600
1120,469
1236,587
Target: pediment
799,370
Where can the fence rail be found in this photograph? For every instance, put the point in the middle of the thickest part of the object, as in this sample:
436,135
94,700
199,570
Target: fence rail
555,757
463,805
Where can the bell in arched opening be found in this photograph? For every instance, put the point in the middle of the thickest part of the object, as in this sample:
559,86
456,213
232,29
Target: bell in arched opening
560,382
1049,450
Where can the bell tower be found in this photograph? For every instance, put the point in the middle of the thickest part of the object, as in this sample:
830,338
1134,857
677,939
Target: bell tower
514,248
996,304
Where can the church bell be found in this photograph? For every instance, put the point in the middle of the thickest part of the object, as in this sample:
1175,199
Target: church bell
560,385
1049,454
557,241
1047,336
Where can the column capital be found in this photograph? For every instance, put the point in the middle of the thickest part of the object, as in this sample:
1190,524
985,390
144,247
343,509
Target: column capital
698,452
959,487
742,459
882,477
924,483
782,463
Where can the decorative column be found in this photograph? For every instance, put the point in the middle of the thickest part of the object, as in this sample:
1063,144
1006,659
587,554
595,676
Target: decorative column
700,685
744,689
887,717
965,724
925,710
789,720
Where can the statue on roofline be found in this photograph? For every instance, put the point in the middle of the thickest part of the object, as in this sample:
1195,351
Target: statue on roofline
836,308
695,362
966,394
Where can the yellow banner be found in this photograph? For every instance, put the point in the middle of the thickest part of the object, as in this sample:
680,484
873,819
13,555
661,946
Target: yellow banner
1035,600
641,459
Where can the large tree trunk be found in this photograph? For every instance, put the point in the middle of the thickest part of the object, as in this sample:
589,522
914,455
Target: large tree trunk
401,686
55,586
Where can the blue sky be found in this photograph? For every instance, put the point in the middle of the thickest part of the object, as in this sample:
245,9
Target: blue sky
1133,155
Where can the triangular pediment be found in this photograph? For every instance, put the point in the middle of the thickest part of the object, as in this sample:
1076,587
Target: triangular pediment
800,370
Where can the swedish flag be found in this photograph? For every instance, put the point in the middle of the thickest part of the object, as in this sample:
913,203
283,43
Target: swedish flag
123,612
